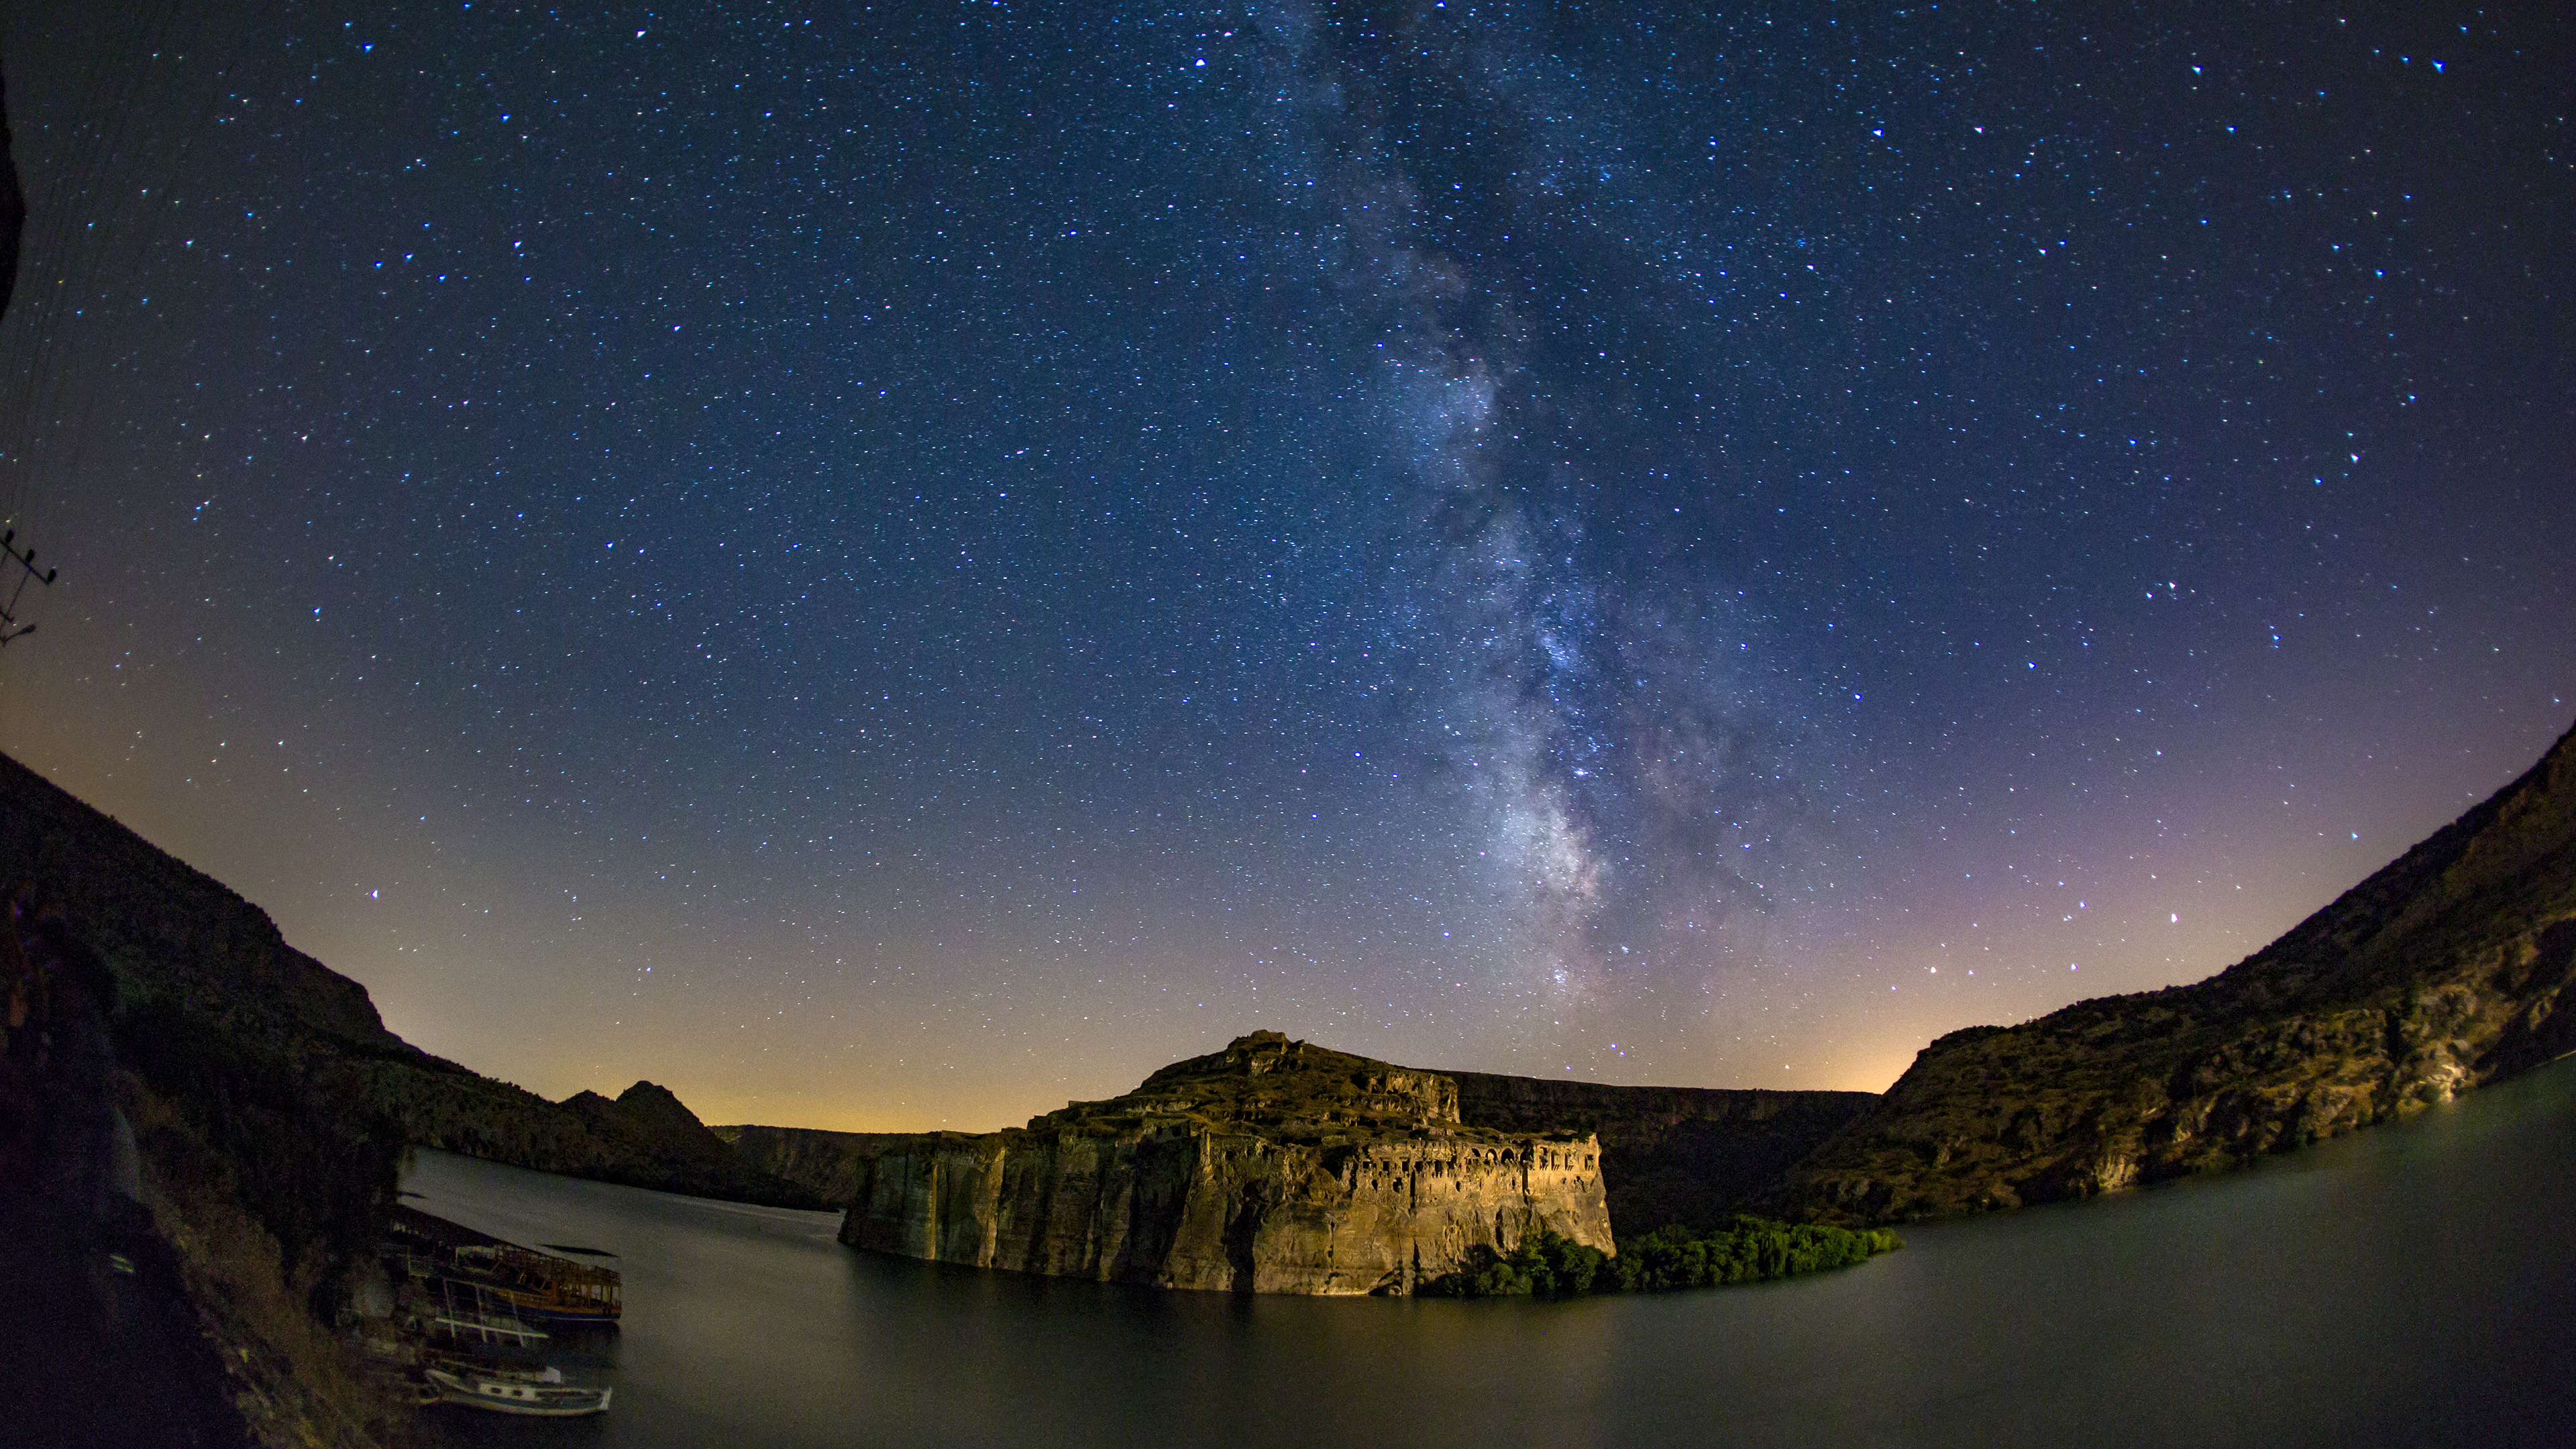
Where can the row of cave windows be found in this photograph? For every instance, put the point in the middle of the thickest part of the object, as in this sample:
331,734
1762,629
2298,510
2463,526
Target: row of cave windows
1566,1162
1397,1183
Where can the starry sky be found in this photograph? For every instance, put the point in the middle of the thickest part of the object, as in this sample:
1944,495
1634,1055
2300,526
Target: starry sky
894,566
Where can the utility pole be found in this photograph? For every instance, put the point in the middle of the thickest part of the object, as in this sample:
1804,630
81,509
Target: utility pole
25,559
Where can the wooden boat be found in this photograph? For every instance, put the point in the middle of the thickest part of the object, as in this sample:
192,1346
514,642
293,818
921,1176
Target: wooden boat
511,1389
537,1286
544,1287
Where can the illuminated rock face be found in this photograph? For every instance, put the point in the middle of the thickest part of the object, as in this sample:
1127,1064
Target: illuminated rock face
1270,1167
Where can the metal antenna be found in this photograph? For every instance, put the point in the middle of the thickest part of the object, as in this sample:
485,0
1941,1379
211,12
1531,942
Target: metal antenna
25,558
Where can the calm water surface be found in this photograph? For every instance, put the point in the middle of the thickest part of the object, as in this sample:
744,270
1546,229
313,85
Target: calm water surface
2415,1284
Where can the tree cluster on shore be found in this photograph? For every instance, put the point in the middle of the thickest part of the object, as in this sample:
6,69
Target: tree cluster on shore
1743,1249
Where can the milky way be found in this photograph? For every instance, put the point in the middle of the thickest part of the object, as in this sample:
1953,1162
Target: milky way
1585,685
897,568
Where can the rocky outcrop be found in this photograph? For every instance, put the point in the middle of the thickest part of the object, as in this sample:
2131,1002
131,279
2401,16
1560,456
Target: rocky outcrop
1688,1155
2448,969
1271,1167
163,1129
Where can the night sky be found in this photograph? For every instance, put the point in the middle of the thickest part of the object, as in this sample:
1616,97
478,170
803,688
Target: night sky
893,567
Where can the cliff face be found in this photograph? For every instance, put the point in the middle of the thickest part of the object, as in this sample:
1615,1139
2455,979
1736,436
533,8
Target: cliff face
1270,1167
2448,969
1689,1155
160,1099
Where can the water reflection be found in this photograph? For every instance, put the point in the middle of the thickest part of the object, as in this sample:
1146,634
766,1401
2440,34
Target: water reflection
2403,1286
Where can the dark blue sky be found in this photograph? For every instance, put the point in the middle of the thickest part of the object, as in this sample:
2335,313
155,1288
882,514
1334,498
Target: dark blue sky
890,566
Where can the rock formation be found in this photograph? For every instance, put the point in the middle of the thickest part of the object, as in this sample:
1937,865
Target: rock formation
1272,1166
2448,969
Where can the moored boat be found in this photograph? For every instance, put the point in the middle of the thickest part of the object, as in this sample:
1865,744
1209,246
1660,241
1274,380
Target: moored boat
544,1287
540,1287
463,1306
512,1389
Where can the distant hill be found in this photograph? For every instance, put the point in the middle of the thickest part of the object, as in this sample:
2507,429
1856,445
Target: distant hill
2444,971
644,1138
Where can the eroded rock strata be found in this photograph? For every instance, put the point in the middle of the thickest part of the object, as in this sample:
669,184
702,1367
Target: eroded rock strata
1271,1167
2448,969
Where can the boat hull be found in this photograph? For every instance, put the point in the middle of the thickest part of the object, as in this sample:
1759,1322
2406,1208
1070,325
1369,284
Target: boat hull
518,1396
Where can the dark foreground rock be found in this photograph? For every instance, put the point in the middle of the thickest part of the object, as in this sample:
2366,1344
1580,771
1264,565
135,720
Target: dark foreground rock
2446,970
1272,1167
189,956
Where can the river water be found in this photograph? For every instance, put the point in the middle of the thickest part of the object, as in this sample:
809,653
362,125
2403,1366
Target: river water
2414,1284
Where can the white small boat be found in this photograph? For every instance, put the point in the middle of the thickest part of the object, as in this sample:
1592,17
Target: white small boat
509,1390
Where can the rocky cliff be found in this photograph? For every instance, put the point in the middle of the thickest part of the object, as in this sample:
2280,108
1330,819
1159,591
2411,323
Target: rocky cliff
2448,969
1272,1166
1688,1155
163,1134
